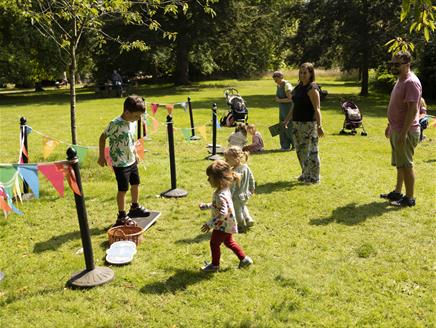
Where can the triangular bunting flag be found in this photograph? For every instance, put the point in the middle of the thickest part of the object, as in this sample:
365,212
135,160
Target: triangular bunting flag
29,173
202,131
71,179
54,175
154,108
186,133
185,106
139,145
81,152
4,206
16,210
217,123
169,108
28,130
48,145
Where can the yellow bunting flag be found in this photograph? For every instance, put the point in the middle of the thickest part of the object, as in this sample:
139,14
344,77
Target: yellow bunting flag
48,146
169,108
202,131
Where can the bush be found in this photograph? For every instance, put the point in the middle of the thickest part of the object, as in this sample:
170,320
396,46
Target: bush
383,80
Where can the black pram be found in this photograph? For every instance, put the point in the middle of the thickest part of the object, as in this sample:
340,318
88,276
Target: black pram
238,111
353,118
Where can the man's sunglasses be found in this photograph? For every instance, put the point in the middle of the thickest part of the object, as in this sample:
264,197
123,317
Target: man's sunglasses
396,64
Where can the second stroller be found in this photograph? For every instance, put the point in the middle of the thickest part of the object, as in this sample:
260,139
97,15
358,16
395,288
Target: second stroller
353,118
238,111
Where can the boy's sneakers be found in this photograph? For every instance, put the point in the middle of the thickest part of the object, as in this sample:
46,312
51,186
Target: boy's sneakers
245,262
209,267
403,202
392,196
138,211
250,224
124,220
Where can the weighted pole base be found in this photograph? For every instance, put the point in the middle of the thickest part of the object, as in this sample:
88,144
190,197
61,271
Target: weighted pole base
174,193
214,157
91,278
195,138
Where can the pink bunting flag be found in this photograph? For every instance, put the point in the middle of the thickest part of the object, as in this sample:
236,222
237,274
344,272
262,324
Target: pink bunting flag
108,158
154,108
54,175
139,145
169,108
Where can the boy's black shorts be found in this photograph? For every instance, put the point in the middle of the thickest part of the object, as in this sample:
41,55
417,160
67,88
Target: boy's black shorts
126,175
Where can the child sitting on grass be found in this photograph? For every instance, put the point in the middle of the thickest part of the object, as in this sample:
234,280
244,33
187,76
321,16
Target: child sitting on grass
223,222
243,189
120,133
239,136
256,141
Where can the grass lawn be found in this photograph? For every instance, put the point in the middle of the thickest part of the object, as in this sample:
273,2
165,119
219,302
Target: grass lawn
328,255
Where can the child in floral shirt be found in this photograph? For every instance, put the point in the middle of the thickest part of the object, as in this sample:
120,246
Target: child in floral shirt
223,222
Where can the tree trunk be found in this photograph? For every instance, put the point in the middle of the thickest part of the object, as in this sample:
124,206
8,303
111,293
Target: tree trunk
73,94
364,67
182,60
365,77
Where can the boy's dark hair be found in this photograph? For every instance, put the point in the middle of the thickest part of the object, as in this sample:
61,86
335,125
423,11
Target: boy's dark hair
134,104
404,55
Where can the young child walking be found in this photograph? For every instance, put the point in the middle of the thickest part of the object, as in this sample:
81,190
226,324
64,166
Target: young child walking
223,222
120,133
243,189
256,140
239,136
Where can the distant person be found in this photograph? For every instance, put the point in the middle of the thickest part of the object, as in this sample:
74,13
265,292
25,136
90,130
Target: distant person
117,82
223,221
403,128
307,123
284,99
256,140
423,118
243,189
239,136
120,133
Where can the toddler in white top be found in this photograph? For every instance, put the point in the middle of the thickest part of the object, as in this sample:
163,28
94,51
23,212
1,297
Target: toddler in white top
239,136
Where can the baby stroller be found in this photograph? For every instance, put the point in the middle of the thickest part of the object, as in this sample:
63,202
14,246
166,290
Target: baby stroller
238,111
353,118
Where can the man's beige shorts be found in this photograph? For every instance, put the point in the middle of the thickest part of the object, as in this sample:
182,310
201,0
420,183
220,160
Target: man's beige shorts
402,156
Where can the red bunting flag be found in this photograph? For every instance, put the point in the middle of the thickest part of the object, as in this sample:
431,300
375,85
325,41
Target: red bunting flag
154,108
54,175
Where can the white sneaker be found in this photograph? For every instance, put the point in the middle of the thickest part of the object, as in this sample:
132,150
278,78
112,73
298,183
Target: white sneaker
209,267
247,261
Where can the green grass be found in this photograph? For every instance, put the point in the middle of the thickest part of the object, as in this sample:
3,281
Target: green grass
330,255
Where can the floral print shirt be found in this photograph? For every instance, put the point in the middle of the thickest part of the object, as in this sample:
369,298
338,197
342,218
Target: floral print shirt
121,142
223,213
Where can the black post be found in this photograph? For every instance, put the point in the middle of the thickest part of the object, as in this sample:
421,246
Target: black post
173,192
214,155
91,276
23,133
139,128
191,117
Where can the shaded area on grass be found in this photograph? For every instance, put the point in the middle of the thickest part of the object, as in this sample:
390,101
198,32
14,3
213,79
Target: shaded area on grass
269,187
56,241
177,282
353,214
20,295
199,238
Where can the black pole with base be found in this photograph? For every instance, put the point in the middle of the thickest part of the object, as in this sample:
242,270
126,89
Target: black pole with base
173,192
191,117
92,276
24,155
214,155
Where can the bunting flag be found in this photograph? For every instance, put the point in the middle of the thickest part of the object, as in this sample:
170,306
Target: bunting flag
48,145
202,131
54,176
28,130
71,179
155,125
139,145
107,157
154,108
186,133
4,205
184,105
81,152
29,173
169,108
23,152
8,175
217,123
18,190
11,205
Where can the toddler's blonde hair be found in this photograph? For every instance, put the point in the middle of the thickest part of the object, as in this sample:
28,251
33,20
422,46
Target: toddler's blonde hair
237,154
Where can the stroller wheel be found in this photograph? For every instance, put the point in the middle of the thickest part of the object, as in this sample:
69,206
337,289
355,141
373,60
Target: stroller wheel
363,133
342,132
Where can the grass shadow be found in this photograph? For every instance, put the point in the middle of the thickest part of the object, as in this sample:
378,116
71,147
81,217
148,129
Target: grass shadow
198,239
177,282
271,187
56,241
353,214
20,296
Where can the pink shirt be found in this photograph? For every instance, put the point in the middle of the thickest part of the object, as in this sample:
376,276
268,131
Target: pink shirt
404,91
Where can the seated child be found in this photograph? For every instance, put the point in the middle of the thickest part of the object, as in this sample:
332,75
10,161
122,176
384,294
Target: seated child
256,141
239,137
423,118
